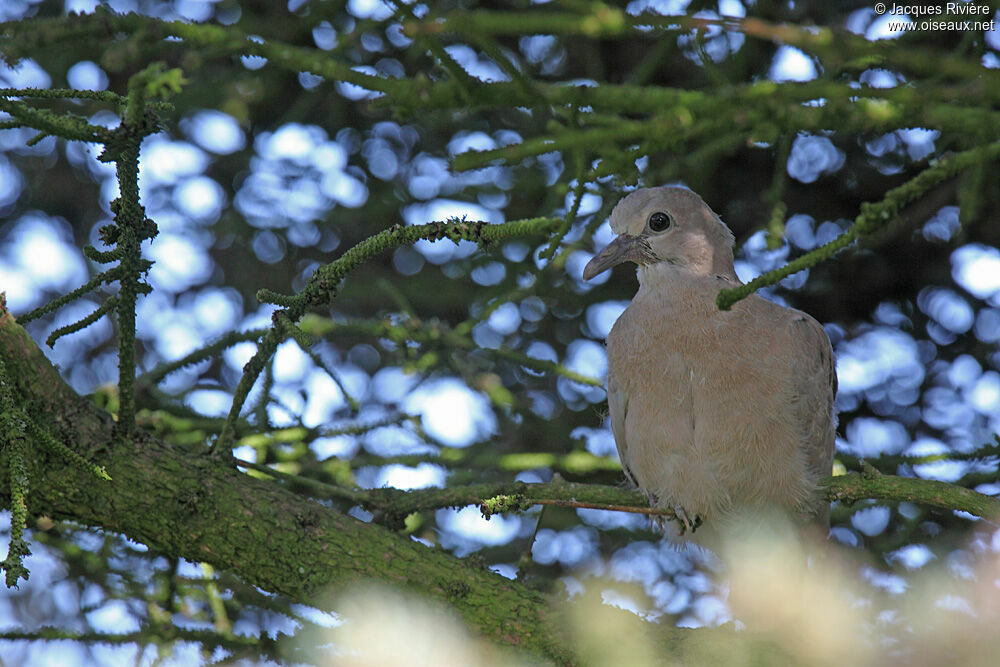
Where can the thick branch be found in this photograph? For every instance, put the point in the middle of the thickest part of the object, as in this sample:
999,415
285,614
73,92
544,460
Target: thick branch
854,486
184,504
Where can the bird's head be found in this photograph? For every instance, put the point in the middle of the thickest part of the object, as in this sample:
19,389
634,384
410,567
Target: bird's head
667,228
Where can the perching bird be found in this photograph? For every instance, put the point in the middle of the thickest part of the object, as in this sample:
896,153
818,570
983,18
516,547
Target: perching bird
715,413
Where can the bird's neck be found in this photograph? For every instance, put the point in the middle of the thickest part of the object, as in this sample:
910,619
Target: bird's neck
668,277
698,254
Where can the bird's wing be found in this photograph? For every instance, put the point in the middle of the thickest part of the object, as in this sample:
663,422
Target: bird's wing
814,387
618,407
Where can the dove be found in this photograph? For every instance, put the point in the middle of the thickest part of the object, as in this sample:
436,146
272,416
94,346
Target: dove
715,414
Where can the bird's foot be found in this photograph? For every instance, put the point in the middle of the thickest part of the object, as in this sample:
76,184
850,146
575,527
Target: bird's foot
686,524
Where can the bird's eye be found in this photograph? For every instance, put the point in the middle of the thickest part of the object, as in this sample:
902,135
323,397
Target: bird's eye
659,221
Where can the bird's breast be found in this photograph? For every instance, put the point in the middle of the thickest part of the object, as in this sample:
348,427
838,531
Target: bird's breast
708,424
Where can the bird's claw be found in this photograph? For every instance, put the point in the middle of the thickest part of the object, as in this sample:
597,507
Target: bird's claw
686,524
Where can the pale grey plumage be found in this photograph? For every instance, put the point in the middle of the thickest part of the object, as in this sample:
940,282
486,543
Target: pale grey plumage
714,413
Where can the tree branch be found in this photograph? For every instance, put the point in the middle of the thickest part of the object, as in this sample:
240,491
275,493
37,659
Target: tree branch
188,505
852,487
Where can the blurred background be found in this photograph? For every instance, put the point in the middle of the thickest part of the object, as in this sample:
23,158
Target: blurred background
263,173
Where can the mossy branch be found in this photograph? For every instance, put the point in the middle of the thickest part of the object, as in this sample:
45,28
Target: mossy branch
197,356
25,36
15,447
102,310
185,506
305,343
576,462
17,432
494,497
66,126
437,334
59,448
873,217
852,487
131,227
574,209
63,93
88,287
420,95
844,488
564,141
324,282
837,48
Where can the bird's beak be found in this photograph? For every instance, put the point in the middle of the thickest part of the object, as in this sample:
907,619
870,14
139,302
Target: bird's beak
625,248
